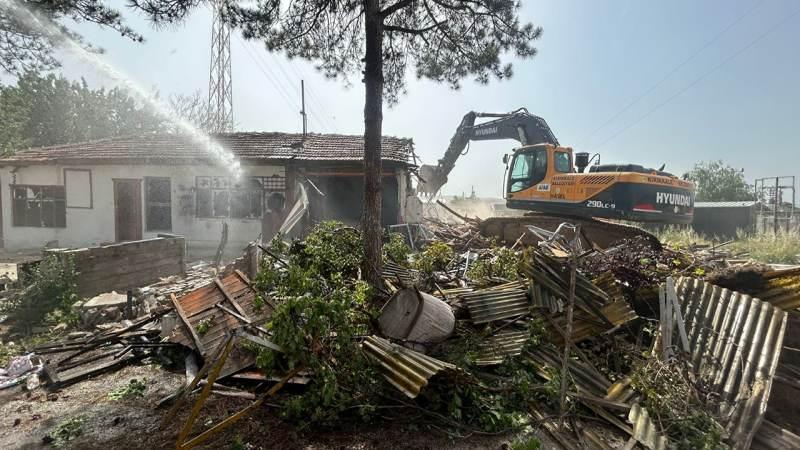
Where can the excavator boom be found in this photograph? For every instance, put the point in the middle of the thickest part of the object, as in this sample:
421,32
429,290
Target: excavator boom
519,125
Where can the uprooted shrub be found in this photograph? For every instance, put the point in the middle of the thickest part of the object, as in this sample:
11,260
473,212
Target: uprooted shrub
321,307
496,262
396,250
673,400
48,289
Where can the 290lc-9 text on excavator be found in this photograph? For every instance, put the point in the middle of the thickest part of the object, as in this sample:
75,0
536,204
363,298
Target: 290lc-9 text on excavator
545,177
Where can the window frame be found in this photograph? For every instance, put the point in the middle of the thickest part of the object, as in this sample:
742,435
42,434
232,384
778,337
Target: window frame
555,161
147,203
533,177
268,184
15,212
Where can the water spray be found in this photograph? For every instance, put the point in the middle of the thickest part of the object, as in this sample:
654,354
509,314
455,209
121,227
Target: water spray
46,27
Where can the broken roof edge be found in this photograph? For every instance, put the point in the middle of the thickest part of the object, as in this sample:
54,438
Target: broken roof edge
249,162
181,148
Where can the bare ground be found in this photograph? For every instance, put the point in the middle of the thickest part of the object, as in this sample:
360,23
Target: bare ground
26,420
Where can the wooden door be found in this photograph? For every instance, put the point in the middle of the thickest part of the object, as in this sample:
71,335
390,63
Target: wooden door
128,209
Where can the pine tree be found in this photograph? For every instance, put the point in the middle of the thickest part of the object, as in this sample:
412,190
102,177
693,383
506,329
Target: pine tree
441,40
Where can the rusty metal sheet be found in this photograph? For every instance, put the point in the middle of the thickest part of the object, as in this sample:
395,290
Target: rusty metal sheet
609,284
585,326
405,369
497,348
781,289
202,304
735,343
498,302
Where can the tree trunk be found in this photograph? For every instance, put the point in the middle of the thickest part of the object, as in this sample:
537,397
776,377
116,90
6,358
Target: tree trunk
373,120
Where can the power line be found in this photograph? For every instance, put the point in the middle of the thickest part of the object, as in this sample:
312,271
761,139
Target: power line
298,70
324,124
288,91
652,88
286,98
325,114
288,80
769,31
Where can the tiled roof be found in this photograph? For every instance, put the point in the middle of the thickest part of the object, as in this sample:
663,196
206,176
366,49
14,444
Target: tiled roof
183,149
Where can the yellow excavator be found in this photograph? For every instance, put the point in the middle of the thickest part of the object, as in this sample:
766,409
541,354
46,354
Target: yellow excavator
544,177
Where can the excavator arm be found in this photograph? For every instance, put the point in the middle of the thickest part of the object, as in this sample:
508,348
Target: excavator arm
519,125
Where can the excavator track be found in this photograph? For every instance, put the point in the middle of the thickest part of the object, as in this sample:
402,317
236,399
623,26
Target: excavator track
595,232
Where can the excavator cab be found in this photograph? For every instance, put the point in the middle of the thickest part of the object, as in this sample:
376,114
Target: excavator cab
531,165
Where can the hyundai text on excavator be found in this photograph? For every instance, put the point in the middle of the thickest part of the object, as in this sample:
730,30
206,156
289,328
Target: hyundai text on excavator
544,177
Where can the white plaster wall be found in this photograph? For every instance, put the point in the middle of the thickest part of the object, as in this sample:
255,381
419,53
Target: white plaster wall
96,225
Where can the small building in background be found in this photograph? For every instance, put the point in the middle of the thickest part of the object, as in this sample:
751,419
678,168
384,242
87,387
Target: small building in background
130,188
724,219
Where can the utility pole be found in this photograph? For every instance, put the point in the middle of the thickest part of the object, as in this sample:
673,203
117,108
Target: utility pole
777,193
303,105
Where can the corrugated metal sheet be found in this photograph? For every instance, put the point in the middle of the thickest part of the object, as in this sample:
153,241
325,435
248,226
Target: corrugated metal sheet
644,430
407,370
609,284
589,381
771,435
735,343
741,204
393,271
499,302
200,305
782,289
543,298
497,348
585,326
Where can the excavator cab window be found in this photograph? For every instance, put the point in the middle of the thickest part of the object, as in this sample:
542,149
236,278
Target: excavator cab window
562,162
527,169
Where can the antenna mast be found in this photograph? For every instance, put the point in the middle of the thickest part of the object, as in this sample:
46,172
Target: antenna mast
220,84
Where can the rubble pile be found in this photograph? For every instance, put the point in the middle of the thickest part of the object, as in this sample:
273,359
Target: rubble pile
470,337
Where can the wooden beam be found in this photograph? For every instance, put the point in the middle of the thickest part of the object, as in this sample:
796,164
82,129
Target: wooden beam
230,299
189,328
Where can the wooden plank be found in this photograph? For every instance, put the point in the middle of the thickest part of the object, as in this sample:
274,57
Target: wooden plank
231,299
672,296
243,277
107,367
192,332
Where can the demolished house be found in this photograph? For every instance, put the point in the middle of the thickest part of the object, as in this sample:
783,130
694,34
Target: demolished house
130,188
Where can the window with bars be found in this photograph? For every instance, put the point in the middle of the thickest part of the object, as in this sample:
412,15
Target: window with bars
224,197
158,203
39,206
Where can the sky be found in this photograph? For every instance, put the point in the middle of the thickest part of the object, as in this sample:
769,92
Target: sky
647,82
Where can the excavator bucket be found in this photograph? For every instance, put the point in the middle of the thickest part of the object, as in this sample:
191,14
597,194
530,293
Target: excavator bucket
430,180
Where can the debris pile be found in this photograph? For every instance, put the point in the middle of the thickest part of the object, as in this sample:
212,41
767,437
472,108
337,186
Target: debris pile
618,347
